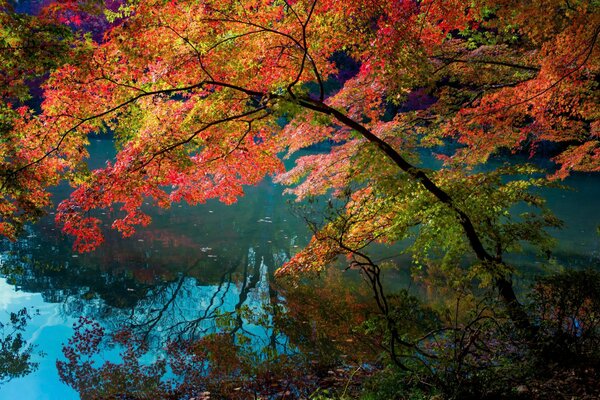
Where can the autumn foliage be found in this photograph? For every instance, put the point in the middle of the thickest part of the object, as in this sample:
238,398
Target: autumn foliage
204,97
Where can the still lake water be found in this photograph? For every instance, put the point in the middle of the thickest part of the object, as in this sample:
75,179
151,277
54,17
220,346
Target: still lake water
190,264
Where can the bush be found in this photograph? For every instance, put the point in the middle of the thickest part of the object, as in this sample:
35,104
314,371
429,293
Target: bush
567,309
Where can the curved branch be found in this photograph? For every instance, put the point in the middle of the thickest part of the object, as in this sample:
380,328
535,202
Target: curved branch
113,109
205,127
451,60
503,285
304,57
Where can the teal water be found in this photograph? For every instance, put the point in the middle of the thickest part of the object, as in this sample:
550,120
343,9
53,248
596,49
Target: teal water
172,278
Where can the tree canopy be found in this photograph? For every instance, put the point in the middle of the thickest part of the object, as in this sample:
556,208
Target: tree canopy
204,97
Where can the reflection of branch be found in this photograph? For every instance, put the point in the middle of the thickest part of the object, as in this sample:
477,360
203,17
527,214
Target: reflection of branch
190,327
156,319
209,312
247,285
179,328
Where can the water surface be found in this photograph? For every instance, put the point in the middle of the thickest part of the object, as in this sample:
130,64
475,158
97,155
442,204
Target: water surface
172,278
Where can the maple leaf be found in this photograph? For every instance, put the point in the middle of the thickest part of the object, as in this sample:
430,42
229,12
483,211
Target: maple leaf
197,93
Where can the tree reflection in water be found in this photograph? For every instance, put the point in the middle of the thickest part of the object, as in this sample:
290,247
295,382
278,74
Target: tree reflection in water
190,305
15,353
306,339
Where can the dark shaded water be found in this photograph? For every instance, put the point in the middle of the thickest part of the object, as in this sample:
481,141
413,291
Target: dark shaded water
174,277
